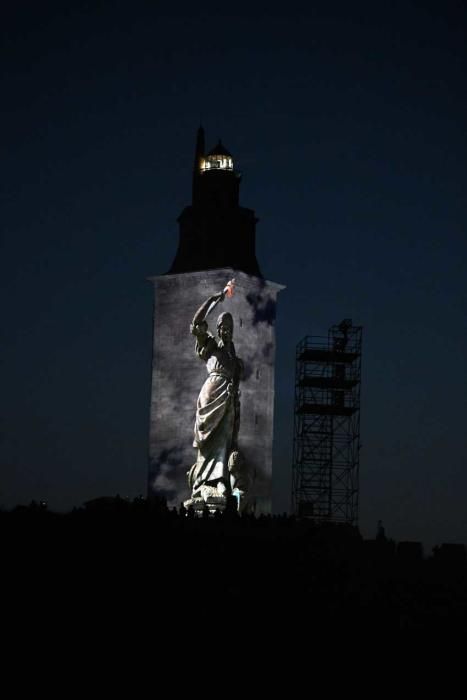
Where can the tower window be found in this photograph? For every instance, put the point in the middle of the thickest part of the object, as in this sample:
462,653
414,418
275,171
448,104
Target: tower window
216,162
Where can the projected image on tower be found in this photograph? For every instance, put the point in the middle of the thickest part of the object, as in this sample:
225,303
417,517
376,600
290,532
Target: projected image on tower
220,471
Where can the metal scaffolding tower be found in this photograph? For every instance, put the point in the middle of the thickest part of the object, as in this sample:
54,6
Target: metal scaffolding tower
327,425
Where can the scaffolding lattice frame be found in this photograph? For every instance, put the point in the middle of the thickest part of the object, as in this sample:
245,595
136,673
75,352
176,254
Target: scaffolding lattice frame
325,481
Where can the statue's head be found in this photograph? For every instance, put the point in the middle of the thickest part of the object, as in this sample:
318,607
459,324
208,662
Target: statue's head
225,327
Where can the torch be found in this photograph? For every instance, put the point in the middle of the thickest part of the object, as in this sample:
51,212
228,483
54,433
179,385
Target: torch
228,291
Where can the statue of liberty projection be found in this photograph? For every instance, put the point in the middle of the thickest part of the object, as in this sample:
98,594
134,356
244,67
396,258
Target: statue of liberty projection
219,471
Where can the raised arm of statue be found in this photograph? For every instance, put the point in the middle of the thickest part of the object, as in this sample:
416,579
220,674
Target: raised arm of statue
200,316
199,319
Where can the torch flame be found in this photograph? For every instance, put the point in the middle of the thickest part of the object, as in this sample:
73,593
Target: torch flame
229,288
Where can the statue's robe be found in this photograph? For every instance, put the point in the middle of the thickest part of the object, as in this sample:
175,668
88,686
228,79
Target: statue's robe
217,411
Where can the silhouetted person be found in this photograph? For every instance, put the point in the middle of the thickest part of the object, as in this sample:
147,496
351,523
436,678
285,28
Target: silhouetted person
380,533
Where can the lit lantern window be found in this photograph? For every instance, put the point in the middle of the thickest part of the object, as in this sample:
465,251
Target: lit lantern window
217,159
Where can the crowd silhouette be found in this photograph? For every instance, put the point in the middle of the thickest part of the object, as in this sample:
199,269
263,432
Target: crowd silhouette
140,555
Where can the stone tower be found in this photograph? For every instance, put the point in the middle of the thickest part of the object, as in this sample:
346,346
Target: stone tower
216,244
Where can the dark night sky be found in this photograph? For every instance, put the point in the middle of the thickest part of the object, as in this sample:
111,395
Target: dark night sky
348,122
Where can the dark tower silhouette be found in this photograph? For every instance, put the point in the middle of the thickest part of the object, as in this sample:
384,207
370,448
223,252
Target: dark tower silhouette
215,231
197,163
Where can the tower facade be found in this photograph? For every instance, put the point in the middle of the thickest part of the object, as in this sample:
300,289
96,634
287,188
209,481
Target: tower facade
216,244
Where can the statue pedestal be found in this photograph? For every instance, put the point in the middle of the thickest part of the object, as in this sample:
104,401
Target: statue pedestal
212,503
